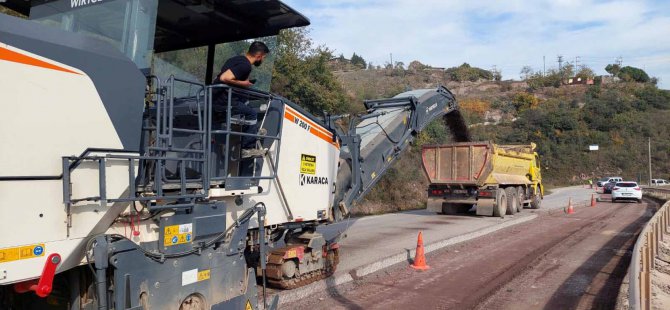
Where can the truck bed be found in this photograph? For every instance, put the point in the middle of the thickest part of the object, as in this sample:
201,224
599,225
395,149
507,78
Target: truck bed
460,163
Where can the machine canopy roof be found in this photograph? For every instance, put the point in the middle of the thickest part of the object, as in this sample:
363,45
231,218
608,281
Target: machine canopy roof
184,24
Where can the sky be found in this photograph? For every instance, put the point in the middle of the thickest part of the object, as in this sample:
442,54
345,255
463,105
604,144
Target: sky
506,34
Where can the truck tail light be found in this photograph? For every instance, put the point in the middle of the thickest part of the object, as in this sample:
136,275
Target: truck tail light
485,194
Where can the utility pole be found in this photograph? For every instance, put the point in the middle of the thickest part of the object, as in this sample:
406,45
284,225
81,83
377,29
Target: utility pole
392,61
544,66
649,161
619,61
560,62
576,63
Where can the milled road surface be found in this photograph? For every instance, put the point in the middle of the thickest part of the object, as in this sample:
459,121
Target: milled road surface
556,261
375,237
372,239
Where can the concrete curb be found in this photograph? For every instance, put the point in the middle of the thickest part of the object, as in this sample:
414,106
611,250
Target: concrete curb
332,282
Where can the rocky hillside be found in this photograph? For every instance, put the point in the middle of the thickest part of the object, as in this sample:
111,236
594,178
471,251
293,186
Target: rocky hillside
563,121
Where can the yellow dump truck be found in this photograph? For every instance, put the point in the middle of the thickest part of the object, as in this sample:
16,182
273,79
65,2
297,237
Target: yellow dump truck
497,180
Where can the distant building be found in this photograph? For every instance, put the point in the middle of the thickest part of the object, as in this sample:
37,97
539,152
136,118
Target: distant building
606,79
579,81
339,60
340,64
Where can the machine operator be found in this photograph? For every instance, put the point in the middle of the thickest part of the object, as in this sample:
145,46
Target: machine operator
235,72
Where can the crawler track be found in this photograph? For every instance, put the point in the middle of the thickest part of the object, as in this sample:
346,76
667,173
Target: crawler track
303,279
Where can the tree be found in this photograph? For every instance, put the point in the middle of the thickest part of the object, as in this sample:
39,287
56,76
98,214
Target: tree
497,76
526,72
628,73
585,72
416,66
358,61
301,74
568,70
465,72
523,101
613,69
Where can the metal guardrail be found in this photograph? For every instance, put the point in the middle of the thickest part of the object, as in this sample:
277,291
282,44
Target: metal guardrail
660,192
644,254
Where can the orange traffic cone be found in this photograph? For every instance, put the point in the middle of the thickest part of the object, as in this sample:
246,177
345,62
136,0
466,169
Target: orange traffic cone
593,200
420,258
571,209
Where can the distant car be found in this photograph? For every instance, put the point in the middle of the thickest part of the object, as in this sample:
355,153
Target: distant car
606,180
626,191
607,188
659,182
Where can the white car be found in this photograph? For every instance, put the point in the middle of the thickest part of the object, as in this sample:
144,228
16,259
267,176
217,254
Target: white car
626,191
606,180
659,182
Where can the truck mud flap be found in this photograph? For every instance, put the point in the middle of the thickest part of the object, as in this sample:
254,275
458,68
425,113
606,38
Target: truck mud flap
434,205
485,207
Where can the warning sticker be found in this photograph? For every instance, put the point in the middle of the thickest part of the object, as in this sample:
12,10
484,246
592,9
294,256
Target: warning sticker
307,164
248,307
193,276
178,234
22,252
203,275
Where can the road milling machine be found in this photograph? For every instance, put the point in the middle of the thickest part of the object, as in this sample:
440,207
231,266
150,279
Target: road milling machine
122,184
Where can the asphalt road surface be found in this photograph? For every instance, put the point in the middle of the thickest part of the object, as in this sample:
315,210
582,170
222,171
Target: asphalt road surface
372,238
556,261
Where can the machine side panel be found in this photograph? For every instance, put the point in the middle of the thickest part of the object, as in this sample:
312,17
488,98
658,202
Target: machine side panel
47,113
307,169
33,214
60,94
104,79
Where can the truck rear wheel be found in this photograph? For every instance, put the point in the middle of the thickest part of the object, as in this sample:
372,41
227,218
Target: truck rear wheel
512,200
536,201
501,203
521,195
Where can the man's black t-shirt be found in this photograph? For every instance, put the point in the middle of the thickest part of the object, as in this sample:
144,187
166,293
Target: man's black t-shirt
239,66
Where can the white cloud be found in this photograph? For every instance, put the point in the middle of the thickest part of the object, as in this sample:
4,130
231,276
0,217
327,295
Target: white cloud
508,34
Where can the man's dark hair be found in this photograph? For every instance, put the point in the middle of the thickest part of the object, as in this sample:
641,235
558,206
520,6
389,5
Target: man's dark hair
258,47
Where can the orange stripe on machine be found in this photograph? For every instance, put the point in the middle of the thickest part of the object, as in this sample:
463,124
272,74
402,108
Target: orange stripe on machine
9,55
310,126
308,121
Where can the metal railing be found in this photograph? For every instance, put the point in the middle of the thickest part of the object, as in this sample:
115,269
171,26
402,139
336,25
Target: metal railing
149,184
228,132
656,192
645,252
